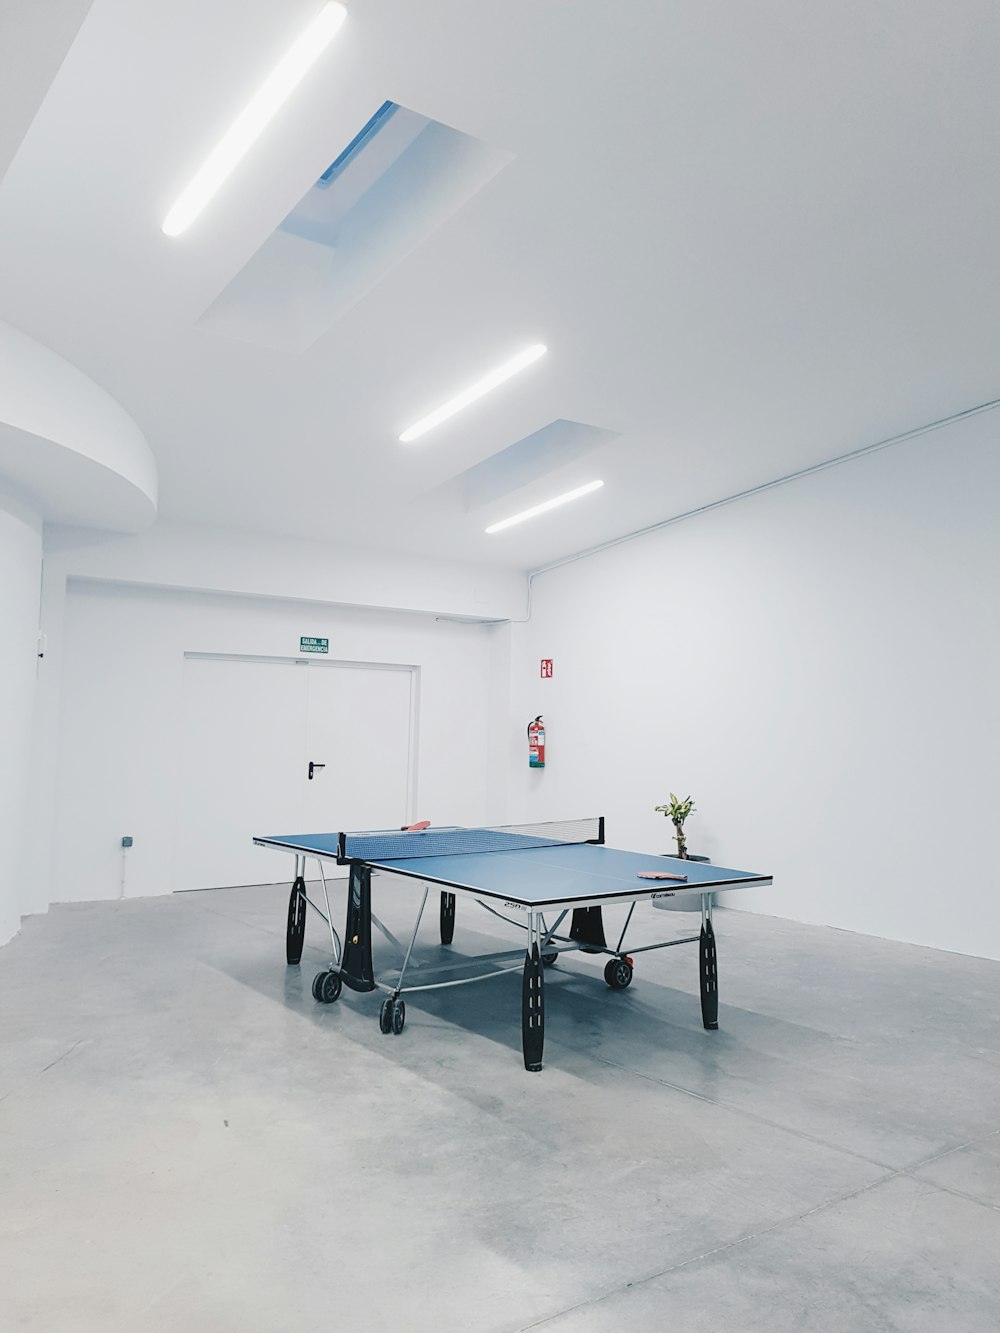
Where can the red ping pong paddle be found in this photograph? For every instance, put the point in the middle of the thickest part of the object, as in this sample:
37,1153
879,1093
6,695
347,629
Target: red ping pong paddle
659,874
416,828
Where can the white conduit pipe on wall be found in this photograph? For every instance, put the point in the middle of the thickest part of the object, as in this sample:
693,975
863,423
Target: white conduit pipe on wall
753,490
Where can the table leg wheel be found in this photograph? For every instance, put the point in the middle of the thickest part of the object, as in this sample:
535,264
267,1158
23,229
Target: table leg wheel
398,1016
326,987
549,958
618,974
385,1015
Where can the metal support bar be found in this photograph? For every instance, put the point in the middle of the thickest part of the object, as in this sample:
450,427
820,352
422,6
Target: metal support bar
413,940
572,946
555,926
511,921
387,933
667,944
462,981
621,937
442,969
318,910
334,937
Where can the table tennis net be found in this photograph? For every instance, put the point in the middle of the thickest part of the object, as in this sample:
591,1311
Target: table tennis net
396,845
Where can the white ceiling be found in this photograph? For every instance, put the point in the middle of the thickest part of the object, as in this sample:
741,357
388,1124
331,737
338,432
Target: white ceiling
753,236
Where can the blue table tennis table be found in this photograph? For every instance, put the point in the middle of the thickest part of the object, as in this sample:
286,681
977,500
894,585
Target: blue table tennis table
532,876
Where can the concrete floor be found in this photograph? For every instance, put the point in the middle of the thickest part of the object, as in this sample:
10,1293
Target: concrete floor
189,1142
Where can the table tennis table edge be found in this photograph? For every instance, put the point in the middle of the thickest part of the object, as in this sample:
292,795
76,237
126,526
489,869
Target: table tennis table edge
521,904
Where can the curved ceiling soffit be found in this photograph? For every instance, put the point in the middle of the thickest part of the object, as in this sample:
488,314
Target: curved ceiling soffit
68,444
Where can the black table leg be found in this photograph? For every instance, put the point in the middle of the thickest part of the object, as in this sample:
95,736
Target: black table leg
587,928
447,917
533,1008
356,968
296,931
709,977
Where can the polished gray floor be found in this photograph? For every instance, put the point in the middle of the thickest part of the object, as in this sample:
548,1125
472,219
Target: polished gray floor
189,1142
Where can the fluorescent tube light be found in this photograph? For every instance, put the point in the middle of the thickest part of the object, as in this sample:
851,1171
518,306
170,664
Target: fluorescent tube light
545,506
244,130
467,396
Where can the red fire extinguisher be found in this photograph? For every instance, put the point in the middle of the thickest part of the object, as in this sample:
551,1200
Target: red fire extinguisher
536,743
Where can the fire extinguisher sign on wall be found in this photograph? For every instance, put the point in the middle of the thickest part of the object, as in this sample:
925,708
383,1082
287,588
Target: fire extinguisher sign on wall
536,743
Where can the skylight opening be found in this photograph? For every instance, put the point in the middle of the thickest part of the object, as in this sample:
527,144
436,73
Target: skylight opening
545,506
395,177
475,391
258,112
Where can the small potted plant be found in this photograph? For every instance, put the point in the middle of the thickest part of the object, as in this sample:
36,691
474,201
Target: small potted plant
678,811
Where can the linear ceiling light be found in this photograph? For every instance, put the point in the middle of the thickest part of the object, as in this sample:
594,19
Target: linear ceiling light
545,506
467,396
244,130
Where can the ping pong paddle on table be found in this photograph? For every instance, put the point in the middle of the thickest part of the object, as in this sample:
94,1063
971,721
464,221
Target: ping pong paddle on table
659,874
416,828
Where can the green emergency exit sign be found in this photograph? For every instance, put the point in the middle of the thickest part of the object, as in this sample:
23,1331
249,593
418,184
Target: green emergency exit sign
314,645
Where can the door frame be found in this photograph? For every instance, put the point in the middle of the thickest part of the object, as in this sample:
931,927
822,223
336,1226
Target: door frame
348,664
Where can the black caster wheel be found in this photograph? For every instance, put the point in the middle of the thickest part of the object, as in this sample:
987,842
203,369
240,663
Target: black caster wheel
549,958
398,1016
385,1015
327,987
618,974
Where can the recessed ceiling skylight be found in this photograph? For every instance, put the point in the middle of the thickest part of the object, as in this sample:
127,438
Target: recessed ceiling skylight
557,447
266,101
545,506
477,390
390,185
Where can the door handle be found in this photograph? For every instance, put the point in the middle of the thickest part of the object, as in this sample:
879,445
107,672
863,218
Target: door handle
313,767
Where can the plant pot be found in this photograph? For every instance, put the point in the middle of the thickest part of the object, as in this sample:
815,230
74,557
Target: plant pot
685,903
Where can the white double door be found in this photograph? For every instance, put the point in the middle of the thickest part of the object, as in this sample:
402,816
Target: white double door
252,729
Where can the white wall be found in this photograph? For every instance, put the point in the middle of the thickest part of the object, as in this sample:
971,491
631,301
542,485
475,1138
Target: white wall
820,667
119,743
20,583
